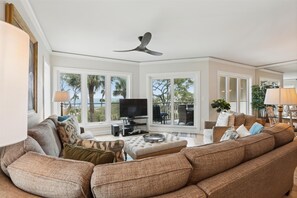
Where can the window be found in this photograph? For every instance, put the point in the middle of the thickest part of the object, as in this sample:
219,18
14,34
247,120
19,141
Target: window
172,99
94,95
234,88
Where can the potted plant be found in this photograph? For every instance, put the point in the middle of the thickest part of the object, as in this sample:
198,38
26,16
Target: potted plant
220,105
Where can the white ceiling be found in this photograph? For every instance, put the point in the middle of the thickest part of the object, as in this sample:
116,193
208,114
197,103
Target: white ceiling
253,32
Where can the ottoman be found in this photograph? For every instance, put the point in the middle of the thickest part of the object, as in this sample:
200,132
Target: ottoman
137,148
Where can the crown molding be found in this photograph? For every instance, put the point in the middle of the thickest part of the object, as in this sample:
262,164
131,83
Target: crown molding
181,60
277,64
91,57
270,71
233,63
28,8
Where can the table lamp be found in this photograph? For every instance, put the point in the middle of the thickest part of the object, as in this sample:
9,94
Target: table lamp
14,69
280,97
61,96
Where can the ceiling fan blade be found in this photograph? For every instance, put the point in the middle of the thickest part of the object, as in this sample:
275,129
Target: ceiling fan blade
153,52
145,40
125,50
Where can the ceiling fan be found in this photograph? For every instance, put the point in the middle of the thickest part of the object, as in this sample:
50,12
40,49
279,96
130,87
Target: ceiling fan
144,41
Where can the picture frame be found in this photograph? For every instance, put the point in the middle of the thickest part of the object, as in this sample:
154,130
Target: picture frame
13,17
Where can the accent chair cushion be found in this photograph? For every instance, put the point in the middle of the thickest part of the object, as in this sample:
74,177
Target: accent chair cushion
11,153
141,178
68,130
256,128
48,176
95,156
242,131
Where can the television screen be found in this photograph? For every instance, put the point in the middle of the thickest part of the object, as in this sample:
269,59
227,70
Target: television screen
133,107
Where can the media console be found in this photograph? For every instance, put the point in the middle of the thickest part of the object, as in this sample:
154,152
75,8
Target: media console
132,126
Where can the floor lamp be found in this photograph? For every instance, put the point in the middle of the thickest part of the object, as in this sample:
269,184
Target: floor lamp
14,67
280,97
61,96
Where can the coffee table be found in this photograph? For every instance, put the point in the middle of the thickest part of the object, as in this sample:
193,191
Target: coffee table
137,148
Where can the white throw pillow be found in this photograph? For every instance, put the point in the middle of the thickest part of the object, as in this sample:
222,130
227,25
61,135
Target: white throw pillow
223,119
242,131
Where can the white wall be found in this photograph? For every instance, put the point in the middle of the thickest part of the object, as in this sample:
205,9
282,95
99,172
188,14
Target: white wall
43,54
265,74
200,66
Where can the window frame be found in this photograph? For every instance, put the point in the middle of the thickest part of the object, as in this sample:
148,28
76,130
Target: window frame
195,75
238,77
84,91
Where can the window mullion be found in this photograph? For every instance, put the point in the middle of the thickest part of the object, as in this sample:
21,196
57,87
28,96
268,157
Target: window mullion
108,98
84,99
172,100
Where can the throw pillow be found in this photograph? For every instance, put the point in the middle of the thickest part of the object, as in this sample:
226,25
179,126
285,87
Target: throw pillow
68,130
223,119
95,156
242,131
11,153
63,118
256,128
229,135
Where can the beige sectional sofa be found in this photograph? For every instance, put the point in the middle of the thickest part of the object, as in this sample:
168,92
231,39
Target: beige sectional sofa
254,166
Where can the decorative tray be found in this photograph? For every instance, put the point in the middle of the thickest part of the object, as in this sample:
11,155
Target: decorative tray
154,137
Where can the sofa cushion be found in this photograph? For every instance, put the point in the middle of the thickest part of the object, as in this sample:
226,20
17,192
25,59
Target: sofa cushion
49,176
249,120
256,145
239,119
211,159
45,133
191,191
282,133
68,130
95,156
13,152
256,128
141,178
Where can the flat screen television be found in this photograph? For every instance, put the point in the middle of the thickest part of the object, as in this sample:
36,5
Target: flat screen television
133,107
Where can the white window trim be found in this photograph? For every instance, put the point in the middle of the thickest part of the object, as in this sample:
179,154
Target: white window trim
175,128
238,76
84,72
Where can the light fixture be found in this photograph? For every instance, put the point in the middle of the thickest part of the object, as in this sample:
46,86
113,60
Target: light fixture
14,67
61,96
280,97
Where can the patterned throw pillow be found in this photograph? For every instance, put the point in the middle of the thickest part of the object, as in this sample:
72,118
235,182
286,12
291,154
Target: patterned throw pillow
229,135
115,146
68,130
223,119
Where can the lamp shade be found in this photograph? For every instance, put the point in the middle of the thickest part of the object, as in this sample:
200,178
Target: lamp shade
61,96
281,96
14,68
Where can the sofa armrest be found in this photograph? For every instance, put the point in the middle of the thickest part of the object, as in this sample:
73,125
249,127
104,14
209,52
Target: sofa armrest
209,124
114,146
218,132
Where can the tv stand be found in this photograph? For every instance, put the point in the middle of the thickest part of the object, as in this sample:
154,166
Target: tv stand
131,126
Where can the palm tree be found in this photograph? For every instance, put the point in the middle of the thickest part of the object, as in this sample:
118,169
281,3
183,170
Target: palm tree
120,87
94,83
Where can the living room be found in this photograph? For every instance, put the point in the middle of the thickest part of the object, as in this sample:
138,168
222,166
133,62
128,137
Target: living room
222,47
